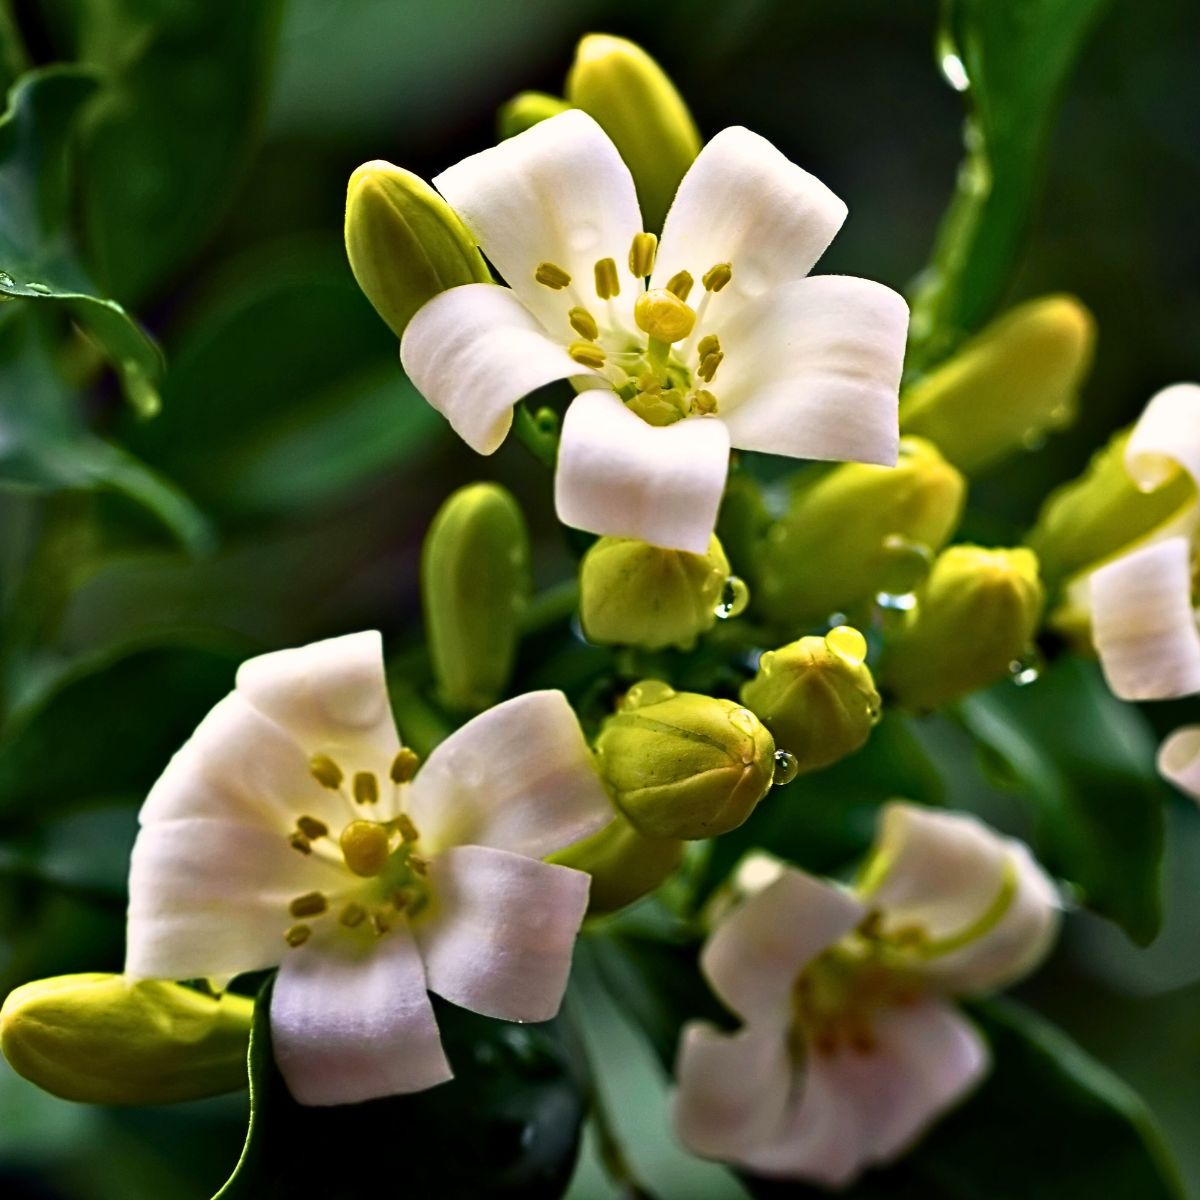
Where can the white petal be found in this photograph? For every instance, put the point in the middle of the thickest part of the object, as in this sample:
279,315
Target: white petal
733,1088
476,350
350,1026
1166,437
332,698
754,954
813,370
557,193
501,932
742,202
619,476
1179,759
861,1108
518,777
208,898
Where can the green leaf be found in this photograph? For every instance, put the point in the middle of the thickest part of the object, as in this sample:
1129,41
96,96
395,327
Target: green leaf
1014,58
508,1124
1085,761
37,259
86,850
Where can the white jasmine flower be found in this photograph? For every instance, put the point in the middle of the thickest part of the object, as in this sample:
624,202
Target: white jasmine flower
293,829
715,338
850,1046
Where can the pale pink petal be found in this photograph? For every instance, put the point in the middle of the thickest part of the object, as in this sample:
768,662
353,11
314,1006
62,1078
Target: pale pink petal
1166,437
1179,760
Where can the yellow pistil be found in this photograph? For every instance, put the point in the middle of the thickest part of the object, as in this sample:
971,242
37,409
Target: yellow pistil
607,283
552,276
365,847
715,278
298,935
663,315
408,831
681,284
586,354
584,323
641,254
311,828
366,788
404,765
311,904
325,771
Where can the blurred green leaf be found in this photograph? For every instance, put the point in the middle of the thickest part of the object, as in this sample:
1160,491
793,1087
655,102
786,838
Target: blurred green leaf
507,1125
1085,761
1013,60
37,258
12,52
87,850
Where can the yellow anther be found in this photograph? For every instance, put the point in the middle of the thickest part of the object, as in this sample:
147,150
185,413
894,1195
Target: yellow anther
311,828
648,385
641,254
353,915
401,899
587,354
408,831
418,864
380,923
607,283
297,935
325,771
404,765
311,904
704,402
708,366
681,283
299,842
584,323
552,275
365,847
715,278
366,788
663,315
709,344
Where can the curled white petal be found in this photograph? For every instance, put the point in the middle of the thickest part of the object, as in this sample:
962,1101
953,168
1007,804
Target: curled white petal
518,777
500,936
1179,759
619,476
1166,437
352,1026
744,203
473,352
1143,624
812,370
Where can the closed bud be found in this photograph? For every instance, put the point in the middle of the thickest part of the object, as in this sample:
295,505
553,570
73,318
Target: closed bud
104,1039
1016,381
635,594
816,696
681,765
973,622
475,585
526,110
637,105
856,531
405,243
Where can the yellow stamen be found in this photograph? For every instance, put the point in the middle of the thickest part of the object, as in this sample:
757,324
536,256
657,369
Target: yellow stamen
408,831
418,864
641,254
607,283
552,276
365,847
299,842
366,788
380,923
584,323
709,365
401,899
353,915
588,354
681,283
311,828
404,765
297,935
704,402
715,278
325,771
663,315
311,904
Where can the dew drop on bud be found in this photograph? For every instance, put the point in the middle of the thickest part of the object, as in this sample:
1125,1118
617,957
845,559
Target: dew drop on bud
649,691
743,720
735,595
848,644
786,768
1027,669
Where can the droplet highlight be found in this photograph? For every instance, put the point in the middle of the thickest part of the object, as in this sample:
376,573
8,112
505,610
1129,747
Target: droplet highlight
735,595
786,768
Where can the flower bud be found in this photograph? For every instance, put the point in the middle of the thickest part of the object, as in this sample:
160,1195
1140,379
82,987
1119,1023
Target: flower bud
974,618
624,865
856,531
1019,378
104,1039
475,585
635,594
681,765
525,110
405,243
816,696
634,102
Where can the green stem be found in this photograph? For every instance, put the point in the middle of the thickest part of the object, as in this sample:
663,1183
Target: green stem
554,605
542,444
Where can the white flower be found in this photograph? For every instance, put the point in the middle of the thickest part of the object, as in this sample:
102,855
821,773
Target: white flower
849,1046
286,831
731,345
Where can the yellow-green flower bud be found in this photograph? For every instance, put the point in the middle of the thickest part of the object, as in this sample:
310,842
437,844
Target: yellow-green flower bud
973,621
857,531
525,110
1102,514
816,696
475,585
405,243
681,765
635,594
103,1039
1018,379
624,865
638,106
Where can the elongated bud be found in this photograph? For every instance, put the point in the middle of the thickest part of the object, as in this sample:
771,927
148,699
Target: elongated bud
625,865
475,584
855,532
974,618
816,696
682,765
637,105
1007,387
525,110
635,594
405,243
103,1039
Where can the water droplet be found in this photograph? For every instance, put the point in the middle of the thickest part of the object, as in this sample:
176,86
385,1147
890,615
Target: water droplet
786,768
835,619
743,720
906,563
847,643
954,72
896,601
735,595
6,280
1027,669
41,288
649,691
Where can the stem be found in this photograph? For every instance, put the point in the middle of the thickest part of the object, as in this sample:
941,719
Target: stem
555,604
541,444
421,725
